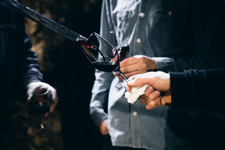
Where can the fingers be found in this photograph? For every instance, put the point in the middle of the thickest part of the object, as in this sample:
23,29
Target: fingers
53,105
128,61
103,127
135,81
128,88
145,97
139,81
151,99
153,104
132,66
133,69
166,99
158,80
138,63
30,92
29,98
116,74
46,114
104,131
54,100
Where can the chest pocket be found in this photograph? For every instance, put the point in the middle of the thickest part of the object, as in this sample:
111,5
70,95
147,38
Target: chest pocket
121,19
171,31
6,34
125,18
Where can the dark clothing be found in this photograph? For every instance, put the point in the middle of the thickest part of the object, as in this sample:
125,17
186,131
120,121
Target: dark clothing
18,64
76,77
204,90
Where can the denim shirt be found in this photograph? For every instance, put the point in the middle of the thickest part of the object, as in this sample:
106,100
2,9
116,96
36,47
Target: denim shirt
178,35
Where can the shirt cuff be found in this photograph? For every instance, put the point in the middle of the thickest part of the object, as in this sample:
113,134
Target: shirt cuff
98,115
165,64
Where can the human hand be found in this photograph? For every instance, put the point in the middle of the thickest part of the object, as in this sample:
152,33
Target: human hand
154,98
157,81
103,127
136,65
41,85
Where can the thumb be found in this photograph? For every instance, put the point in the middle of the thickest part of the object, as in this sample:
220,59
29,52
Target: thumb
29,97
139,81
29,94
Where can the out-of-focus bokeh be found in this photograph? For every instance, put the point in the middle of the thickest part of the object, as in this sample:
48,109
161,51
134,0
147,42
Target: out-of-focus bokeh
65,67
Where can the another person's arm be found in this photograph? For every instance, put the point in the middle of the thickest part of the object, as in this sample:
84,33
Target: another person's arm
192,88
30,70
100,90
99,100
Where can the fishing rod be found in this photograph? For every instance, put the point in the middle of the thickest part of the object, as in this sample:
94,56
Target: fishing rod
37,17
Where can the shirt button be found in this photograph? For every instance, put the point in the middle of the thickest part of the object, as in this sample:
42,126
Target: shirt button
138,40
170,13
142,15
134,113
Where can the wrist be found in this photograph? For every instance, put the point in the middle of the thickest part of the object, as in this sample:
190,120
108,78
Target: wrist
151,65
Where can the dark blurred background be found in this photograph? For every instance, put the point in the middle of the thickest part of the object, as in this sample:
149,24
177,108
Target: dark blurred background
65,67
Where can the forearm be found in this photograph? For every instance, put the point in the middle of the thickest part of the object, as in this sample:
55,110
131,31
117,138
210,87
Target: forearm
203,61
167,64
30,64
28,61
198,88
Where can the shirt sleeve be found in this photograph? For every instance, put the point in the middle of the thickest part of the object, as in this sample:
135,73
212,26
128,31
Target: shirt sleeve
28,60
100,90
99,99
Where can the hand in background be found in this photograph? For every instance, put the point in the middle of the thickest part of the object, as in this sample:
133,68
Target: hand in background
41,85
103,127
136,65
157,81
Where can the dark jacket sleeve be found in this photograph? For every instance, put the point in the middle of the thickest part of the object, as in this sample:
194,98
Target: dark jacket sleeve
29,66
198,88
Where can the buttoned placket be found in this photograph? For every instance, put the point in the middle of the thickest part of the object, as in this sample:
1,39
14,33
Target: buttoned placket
135,109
